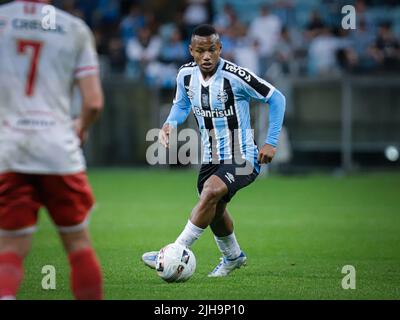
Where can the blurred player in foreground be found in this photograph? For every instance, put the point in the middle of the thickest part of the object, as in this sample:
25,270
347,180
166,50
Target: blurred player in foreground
218,92
41,161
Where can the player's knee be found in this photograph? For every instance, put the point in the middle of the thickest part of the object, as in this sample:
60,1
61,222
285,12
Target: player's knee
18,245
21,252
212,194
75,241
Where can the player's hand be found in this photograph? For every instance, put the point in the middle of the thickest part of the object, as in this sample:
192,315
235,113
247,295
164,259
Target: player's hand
163,136
266,154
80,132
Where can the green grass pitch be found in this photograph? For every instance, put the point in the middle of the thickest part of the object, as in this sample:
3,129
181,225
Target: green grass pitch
298,233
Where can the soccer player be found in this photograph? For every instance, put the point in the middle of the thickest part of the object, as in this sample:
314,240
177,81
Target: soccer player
218,92
43,52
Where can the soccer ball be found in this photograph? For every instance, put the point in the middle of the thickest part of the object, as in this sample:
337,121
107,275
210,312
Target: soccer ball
175,263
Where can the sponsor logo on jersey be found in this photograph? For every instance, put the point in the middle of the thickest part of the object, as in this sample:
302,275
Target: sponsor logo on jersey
217,113
26,24
243,74
34,120
35,123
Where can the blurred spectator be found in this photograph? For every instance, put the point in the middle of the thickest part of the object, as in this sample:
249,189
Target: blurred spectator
224,19
174,50
386,50
362,42
88,8
246,54
70,6
314,26
265,29
178,22
117,56
236,26
230,35
151,21
346,56
132,23
228,40
107,12
362,39
322,53
196,13
365,15
284,10
101,41
173,55
141,51
284,52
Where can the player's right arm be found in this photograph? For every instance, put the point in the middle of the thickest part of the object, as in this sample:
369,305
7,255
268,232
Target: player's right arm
92,104
179,112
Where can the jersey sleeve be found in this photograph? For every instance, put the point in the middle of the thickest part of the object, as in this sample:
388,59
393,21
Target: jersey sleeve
87,63
181,105
277,107
261,90
255,87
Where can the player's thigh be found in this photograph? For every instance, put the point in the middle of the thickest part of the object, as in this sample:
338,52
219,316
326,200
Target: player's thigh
214,189
68,199
206,171
19,204
233,178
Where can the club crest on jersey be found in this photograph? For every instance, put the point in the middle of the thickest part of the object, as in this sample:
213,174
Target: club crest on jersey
243,74
222,96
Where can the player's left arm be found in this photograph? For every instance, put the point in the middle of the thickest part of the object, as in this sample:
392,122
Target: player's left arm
277,106
92,104
88,80
263,91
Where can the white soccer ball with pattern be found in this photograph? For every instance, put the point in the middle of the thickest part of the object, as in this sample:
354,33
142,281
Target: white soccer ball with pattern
175,263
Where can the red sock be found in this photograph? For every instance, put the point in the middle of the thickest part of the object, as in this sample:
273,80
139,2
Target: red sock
86,278
11,273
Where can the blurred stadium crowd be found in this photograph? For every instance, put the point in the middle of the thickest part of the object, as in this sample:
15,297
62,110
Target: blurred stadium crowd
148,39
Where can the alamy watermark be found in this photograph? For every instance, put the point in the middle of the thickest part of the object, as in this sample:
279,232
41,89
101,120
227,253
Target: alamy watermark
49,17
234,147
349,280
49,280
349,21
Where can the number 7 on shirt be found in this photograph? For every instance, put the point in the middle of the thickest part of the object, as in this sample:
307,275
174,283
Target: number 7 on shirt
36,46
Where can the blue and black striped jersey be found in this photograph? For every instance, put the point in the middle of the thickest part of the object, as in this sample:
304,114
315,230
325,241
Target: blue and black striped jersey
221,106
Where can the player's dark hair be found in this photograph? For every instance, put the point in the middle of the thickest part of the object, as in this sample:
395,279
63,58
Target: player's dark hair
204,30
